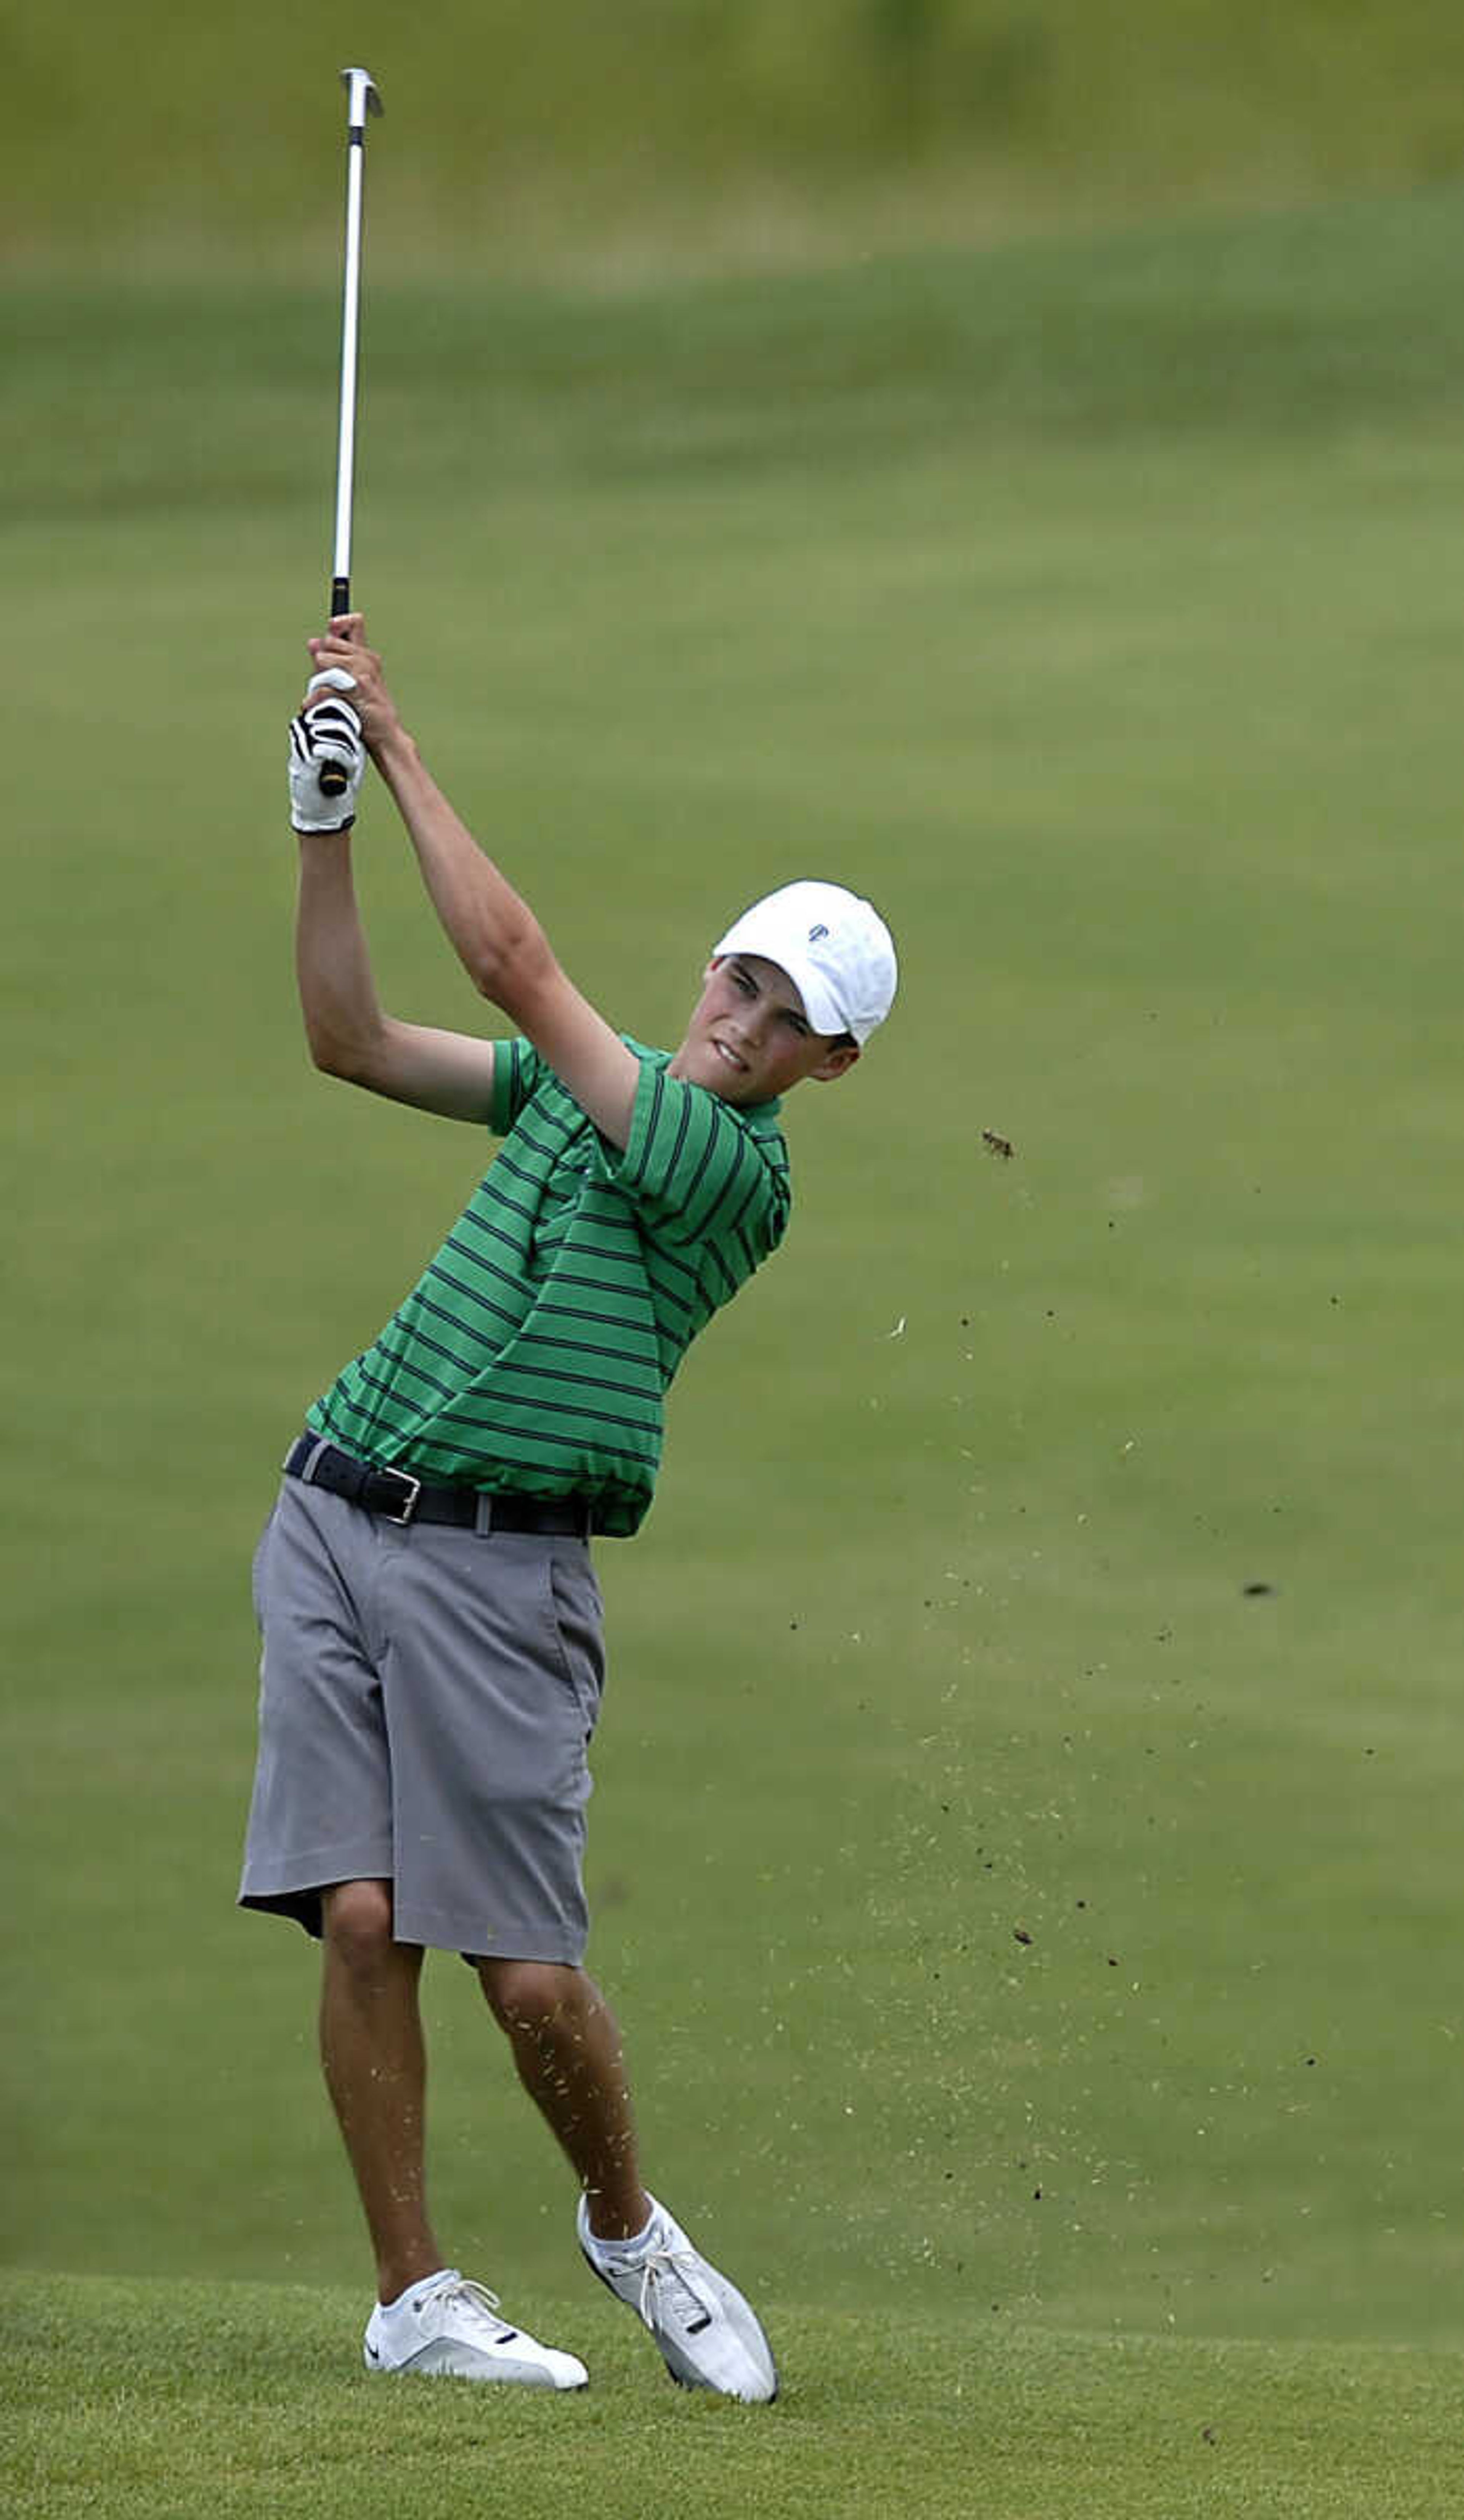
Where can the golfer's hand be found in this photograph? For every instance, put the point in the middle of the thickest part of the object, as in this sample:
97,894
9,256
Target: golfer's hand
327,758
344,650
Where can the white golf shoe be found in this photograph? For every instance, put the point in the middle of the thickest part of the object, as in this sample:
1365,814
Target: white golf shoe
709,2336
447,2327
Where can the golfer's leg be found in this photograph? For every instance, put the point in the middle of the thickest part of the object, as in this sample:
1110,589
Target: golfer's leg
566,2047
372,2049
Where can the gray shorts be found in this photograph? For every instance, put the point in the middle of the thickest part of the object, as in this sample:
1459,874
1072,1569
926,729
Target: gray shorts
427,1699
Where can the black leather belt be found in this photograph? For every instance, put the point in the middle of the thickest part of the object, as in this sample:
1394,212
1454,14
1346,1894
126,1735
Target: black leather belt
397,1496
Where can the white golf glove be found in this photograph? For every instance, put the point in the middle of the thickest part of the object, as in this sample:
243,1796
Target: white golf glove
326,737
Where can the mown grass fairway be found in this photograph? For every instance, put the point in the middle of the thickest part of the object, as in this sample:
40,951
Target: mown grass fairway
152,2401
1027,1854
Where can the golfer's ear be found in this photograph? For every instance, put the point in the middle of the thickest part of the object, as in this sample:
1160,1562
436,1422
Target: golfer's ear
838,1064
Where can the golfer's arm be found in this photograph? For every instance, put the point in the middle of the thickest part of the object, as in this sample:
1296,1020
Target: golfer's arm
503,948
347,1032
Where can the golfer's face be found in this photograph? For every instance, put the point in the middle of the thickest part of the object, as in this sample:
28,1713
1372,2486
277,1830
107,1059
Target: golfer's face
749,1038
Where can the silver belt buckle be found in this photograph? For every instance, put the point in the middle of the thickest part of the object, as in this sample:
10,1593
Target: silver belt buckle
415,1487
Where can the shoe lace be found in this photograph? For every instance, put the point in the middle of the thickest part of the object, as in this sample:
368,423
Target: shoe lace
663,2270
479,2302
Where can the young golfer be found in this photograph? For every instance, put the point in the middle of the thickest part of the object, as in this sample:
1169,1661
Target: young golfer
433,1656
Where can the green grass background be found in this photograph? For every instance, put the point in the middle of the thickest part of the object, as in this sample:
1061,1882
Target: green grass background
1037,1945
668,131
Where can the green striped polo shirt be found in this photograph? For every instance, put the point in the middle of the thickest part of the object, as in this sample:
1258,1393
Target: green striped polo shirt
535,1351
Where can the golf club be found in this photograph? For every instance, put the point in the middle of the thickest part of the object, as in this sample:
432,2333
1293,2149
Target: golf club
363,97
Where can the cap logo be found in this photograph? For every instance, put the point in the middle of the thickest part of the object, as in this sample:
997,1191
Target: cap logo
814,933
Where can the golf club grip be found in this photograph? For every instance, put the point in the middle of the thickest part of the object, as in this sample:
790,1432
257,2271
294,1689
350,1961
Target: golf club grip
333,779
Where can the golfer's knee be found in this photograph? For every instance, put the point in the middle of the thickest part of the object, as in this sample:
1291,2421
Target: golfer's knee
356,1918
522,1995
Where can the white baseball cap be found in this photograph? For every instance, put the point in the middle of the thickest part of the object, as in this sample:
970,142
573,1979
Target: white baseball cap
834,948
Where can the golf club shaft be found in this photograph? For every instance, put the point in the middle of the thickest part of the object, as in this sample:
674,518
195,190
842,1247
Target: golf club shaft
351,307
362,97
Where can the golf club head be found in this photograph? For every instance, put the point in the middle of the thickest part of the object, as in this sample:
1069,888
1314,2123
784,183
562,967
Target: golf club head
364,93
